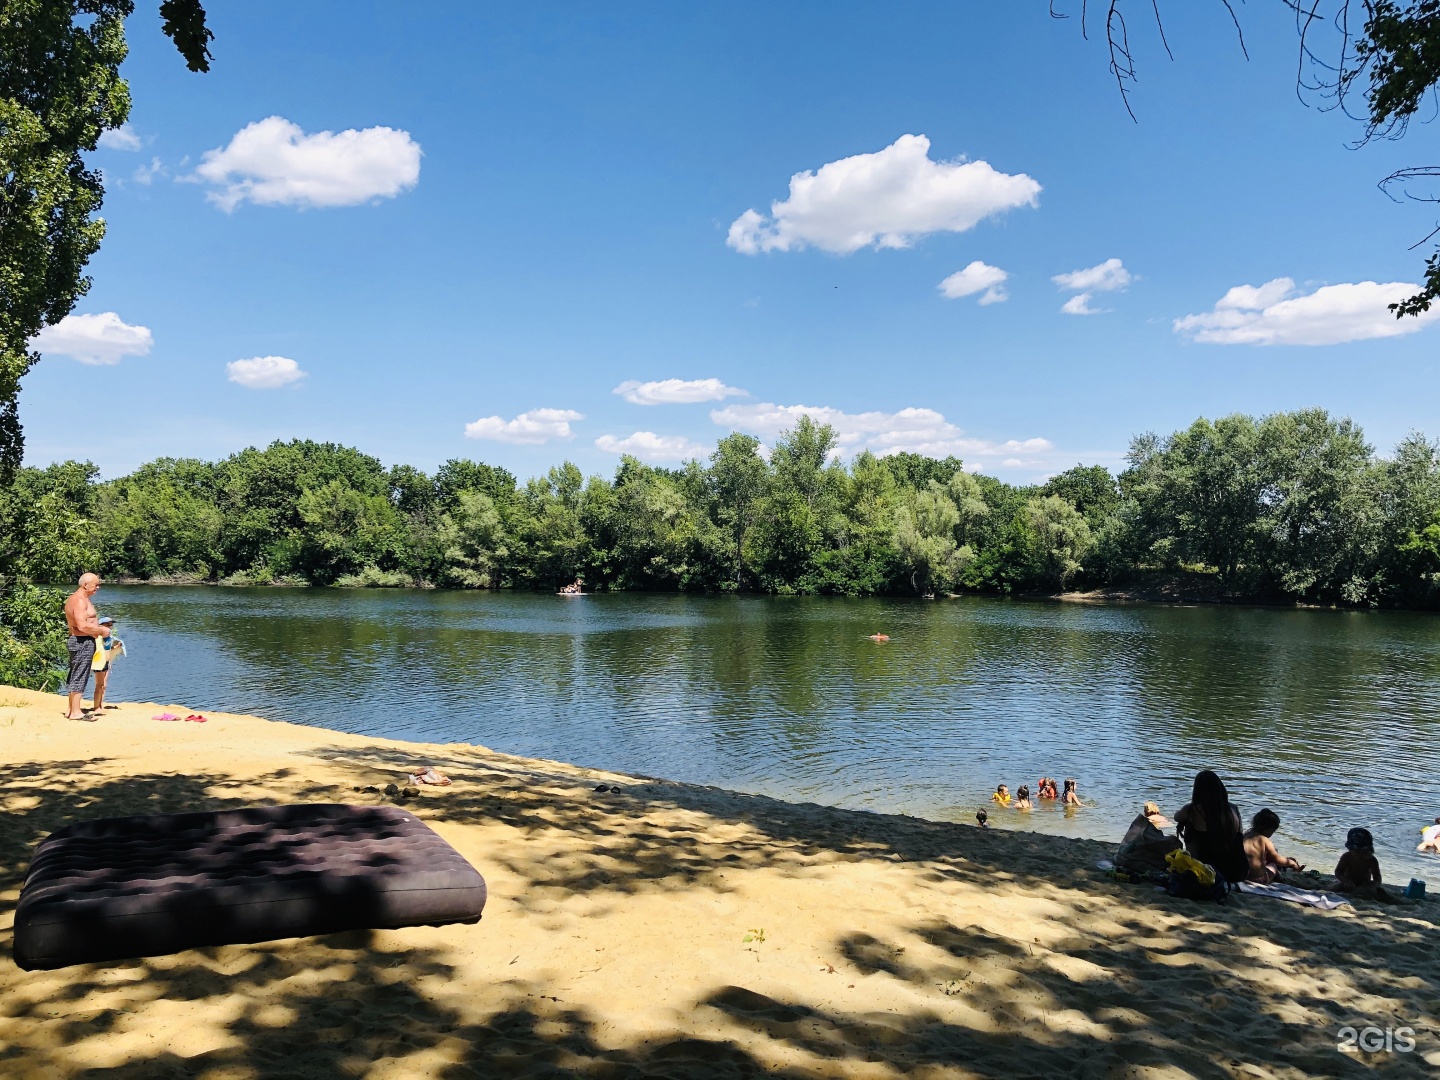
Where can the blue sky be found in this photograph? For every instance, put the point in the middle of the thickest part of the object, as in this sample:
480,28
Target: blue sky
554,202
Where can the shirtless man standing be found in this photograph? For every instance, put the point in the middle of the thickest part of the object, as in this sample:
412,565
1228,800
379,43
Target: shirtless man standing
84,629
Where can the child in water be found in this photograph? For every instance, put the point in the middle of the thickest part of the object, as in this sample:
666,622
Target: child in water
982,819
1022,798
1430,838
1071,797
1358,871
1046,786
1264,861
1002,795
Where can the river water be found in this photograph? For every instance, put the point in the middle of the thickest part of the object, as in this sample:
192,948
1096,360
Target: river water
1330,718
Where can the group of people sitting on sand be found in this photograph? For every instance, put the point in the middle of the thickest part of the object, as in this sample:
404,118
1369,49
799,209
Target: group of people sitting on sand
1210,829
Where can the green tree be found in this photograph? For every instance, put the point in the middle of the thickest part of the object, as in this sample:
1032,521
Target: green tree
739,481
1059,539
46,534
60,88
474,542
798,508
1199,493
161,519
554,545
32,636
459,475
1319,519
655,534
925,524
1091,489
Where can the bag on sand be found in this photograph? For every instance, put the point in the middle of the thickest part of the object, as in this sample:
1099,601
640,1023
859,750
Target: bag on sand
1191,879
1144,848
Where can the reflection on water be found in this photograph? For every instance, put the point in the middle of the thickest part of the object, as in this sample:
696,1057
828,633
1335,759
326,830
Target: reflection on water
1330,718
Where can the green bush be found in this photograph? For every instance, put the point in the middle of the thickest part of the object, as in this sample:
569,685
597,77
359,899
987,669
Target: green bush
32,637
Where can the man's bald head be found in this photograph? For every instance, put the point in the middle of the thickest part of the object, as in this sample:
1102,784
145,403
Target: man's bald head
89,581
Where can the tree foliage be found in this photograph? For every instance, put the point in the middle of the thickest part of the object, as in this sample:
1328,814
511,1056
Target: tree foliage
60,89
1292,506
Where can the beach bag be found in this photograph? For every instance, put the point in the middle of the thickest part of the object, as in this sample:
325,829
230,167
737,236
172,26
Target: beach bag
1144,848
1190,879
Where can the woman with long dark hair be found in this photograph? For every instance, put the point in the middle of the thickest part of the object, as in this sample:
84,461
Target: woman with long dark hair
1210,828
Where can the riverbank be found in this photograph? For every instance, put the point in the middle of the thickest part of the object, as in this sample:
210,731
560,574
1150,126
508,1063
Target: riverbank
675,930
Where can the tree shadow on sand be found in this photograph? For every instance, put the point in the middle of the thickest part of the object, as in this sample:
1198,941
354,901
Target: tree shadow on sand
985,1004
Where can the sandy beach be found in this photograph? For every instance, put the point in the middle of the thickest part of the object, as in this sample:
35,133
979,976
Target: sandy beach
673,930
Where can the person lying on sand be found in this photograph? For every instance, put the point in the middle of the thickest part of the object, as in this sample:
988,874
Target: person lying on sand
1264,861
1430,838
1002,795
1022,798
1071,797
1358,871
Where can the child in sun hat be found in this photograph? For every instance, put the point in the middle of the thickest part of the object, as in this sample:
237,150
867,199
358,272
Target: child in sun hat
1358,871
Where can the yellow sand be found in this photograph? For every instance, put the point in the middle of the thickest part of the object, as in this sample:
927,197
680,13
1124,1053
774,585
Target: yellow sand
673,930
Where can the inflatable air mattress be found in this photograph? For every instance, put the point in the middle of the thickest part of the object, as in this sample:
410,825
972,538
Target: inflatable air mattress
122,888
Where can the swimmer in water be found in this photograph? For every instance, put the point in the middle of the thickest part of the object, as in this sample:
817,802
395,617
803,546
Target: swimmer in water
879,637
1002,795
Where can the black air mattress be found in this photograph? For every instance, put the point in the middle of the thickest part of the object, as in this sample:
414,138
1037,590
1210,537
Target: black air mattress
121,888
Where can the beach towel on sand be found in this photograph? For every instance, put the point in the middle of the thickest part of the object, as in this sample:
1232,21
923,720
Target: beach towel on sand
1281,891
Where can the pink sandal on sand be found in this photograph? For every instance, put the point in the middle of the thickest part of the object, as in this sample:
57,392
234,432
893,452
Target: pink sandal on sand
165,716
196,717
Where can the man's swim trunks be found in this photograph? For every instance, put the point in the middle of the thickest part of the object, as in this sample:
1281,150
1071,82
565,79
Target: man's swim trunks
82,654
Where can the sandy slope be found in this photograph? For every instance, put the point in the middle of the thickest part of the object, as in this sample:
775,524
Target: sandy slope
615,943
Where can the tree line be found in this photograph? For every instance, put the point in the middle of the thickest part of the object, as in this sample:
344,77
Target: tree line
1290,507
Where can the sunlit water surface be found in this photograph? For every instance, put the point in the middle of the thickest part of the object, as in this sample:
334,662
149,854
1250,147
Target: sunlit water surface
1330,718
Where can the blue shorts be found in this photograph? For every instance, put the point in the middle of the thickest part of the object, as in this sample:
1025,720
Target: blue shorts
82,655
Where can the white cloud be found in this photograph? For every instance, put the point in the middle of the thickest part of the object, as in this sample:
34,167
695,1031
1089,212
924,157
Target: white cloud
977,277
676,391
647,446
1277,314
145,174
264,372
93,339
888,198
1109,276
272,162
528,429
121,138
1079,304
918,431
